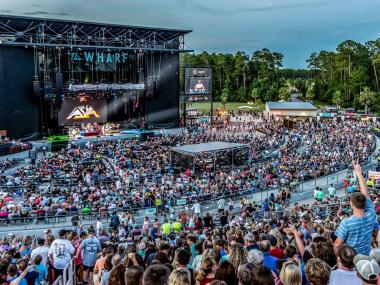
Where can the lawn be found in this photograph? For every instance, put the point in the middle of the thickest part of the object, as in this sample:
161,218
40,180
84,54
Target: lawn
231,106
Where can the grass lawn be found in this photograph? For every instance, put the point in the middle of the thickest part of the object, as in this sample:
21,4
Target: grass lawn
231,106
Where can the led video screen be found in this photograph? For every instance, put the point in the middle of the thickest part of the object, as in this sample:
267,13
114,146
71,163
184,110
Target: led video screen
198,81
82,110
199,85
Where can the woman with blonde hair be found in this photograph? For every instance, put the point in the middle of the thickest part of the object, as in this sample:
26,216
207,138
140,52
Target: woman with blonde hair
206,274
180,276
237,255
290,274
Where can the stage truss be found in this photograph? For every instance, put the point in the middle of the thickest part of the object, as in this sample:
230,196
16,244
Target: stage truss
37,32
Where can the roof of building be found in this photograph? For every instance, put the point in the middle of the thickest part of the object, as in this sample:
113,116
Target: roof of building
291,106
193,149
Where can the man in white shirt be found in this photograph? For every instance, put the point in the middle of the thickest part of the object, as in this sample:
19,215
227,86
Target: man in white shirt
332,191
61,252
197,209
221,204
346,273
99,226
41,250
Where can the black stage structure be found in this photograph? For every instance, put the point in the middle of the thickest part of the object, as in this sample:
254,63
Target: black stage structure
210,156
46,65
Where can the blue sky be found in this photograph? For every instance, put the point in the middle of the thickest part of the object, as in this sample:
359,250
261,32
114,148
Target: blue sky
295,28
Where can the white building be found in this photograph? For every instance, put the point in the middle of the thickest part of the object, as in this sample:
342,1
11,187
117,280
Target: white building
291,110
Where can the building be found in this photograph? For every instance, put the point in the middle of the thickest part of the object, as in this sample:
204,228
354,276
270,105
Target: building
291,110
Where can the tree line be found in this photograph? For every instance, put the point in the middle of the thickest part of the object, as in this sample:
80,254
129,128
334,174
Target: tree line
346,77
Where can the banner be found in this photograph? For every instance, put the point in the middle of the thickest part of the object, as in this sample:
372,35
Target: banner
82,110
150,211
181,202
105,87
375,175
196,98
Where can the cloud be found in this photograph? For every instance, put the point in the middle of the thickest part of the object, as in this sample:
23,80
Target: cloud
286,7
39,13
6,11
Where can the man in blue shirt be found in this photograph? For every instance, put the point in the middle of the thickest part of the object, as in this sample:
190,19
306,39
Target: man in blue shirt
91,247
269,261
357,229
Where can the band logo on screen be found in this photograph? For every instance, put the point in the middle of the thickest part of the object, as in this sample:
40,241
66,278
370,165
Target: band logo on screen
82,110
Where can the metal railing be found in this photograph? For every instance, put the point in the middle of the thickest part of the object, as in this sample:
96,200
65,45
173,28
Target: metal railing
68,275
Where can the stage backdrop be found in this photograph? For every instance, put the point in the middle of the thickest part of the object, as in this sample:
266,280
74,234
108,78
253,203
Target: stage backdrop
163,107
19,112
82,110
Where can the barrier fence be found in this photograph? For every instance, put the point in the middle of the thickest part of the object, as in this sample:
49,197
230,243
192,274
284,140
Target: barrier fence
68,275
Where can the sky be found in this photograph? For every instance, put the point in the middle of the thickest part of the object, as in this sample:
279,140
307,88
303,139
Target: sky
296,28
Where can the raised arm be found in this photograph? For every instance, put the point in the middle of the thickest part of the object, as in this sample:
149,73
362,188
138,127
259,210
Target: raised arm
359,175
22,275
299,242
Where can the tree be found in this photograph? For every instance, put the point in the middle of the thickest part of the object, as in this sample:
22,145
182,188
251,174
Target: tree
284,94
366,97
310,93
224,96
337,98
255,94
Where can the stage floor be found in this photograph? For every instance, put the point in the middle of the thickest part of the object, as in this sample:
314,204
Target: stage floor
122,135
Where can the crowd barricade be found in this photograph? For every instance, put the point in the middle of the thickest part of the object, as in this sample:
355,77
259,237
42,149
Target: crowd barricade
68,276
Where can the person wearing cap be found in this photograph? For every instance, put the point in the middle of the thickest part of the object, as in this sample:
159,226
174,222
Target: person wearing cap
41,250
367,269
90,247
60,253
357,230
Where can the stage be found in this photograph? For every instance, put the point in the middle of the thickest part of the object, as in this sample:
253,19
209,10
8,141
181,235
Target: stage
131,79
210,156
132,134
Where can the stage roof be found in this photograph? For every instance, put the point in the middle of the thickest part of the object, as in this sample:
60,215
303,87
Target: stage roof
194,149
32,31
291,106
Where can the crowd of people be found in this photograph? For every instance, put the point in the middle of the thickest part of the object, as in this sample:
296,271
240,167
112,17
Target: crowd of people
332,240
7,164
295,248
126,175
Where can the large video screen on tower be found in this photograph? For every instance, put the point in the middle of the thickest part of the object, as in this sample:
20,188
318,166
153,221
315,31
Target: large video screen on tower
198,81
82,110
